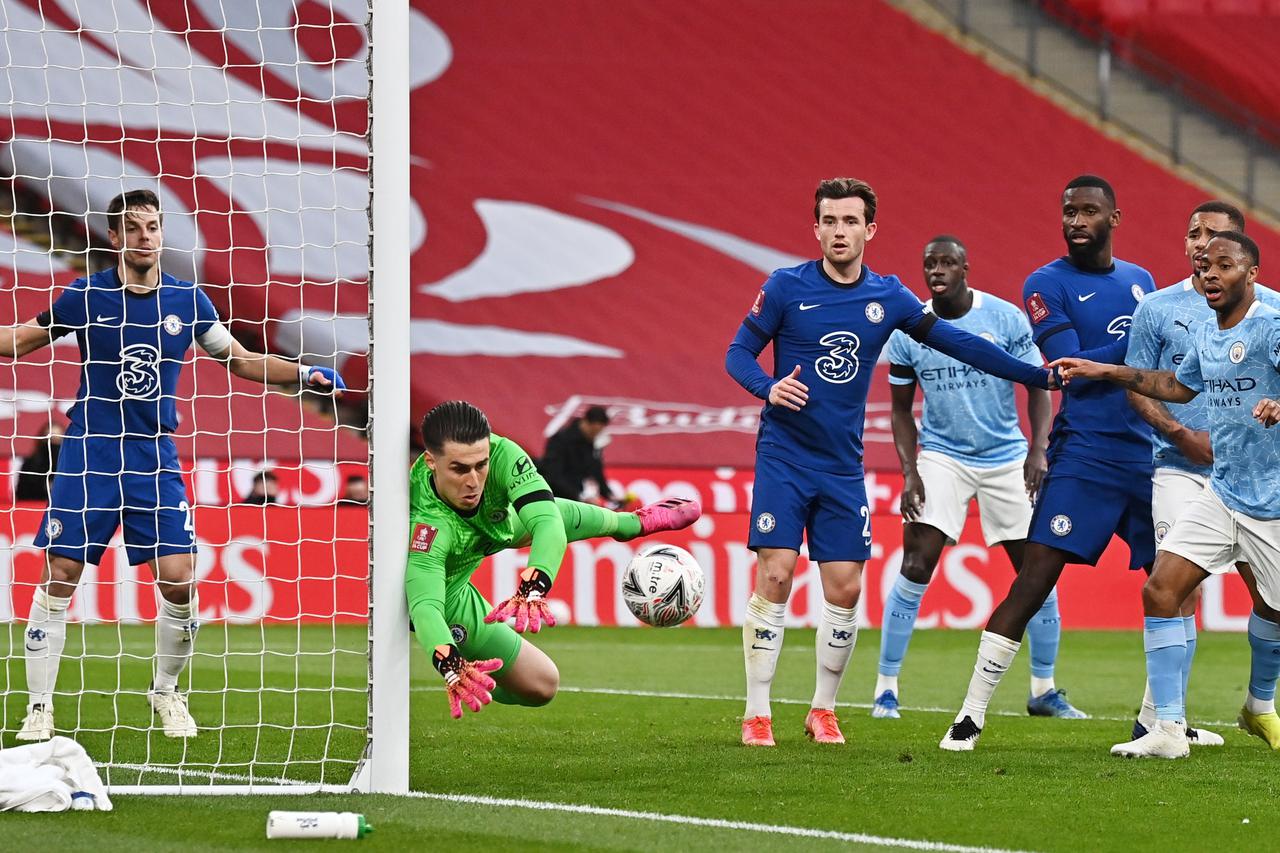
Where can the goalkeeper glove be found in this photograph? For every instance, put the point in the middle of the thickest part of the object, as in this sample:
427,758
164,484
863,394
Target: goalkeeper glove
322,379
528,605
465,681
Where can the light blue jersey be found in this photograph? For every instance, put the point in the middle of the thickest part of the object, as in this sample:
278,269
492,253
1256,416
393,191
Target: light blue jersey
1163,330
1233,369
969,415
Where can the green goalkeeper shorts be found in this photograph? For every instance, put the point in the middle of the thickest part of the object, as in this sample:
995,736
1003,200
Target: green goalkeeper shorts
464,610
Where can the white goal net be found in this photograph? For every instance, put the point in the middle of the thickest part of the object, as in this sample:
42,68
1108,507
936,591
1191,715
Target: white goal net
250,121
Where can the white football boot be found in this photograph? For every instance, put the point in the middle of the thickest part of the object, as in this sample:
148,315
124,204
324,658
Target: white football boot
1166,739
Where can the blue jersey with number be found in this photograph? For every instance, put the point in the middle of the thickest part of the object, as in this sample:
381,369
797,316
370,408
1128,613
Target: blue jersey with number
835,333
1233,369
132,348
1073,310
969,415
1163,331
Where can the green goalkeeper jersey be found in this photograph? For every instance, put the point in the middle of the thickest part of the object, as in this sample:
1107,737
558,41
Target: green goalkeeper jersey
446,546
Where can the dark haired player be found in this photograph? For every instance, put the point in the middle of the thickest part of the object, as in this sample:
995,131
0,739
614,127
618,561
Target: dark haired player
472,494
828,320
118,465
1099,480
1163,330
1234,363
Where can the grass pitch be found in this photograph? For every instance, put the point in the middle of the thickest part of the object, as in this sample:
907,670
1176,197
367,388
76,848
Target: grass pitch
647,723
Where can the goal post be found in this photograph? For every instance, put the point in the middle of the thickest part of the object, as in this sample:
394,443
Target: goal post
277,137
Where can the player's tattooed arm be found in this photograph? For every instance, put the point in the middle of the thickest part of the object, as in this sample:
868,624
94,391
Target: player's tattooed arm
1160,384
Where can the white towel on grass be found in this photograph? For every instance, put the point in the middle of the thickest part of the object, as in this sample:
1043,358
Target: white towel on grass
47,777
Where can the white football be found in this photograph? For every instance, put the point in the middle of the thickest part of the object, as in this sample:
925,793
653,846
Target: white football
663,585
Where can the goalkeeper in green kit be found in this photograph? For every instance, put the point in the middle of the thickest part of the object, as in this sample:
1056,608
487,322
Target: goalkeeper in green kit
472,494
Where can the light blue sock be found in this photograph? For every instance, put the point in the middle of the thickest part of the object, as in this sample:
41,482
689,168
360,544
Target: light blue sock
900,611
1044,631
1166,643
1264,663
1188,631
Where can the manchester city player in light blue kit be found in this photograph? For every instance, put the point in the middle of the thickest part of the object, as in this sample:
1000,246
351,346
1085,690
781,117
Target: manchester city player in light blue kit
1234,364
828,321
118,466
971,447
1162,333
1099,480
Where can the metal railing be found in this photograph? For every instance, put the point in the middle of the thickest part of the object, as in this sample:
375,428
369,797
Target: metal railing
1186,97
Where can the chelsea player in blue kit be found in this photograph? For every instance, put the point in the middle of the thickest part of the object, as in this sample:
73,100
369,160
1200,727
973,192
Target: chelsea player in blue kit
1234,364
828,321
1163,331
1099,480
118,465
972,447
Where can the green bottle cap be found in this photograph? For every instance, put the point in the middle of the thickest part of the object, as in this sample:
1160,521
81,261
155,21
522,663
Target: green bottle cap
363,827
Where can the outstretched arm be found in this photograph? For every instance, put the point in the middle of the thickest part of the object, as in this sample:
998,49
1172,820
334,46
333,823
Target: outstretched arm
1160,384
270,370
979,352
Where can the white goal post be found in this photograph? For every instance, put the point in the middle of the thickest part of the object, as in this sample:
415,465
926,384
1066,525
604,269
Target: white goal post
300,674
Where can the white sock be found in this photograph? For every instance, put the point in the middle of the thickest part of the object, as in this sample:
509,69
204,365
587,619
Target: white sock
1147,716
1254,705
1041,686
761,644
44,641
885,682
995,655
837,635
175,641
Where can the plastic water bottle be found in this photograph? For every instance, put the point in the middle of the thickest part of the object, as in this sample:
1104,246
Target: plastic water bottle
317,825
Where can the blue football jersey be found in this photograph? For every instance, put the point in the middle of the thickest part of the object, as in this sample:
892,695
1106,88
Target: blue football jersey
835,333
1233,369
1163,330
132,348
969,415
1073,310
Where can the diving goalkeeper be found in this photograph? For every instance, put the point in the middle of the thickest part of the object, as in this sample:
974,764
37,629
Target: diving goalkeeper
472,494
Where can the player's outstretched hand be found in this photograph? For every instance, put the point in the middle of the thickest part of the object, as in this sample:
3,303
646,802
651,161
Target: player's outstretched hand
912,502
466,682
322,379
1267,412
1033,471
1073,368
789,392
528,605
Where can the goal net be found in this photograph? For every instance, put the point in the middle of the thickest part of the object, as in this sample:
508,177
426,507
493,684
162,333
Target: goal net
251,121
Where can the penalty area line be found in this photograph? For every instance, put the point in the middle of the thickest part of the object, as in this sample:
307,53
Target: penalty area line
711,823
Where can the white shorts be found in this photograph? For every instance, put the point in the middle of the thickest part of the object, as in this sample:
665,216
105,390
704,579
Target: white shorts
1172,491
1215,537
949,485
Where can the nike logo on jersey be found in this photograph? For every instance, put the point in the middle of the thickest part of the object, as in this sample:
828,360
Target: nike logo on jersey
804,307
1087,297
102,319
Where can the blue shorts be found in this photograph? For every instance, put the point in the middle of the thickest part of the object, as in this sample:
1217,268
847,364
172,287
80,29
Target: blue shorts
102,483
1083,502
787,501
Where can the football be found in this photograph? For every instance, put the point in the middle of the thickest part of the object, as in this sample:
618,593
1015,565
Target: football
663,585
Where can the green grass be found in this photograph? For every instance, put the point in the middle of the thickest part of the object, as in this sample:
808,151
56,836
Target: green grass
1033,784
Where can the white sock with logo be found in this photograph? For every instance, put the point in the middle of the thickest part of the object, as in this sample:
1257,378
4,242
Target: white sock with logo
761,645
837,635
44,641
175,641
995,655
